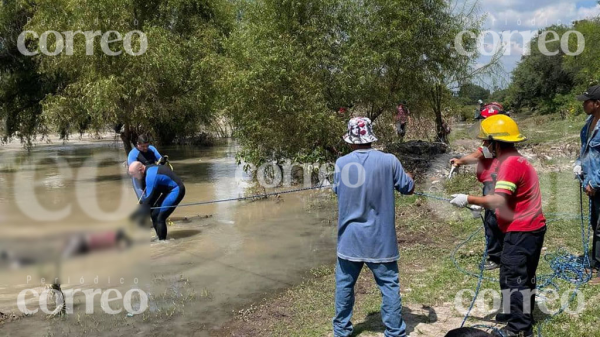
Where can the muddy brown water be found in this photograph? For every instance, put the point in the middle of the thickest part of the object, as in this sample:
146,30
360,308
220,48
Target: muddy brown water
209,268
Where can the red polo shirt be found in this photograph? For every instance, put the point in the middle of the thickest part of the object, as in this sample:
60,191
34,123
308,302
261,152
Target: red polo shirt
485,168
518,180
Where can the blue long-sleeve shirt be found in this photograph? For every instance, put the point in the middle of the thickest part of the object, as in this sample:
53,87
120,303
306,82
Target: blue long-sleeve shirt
364,182
589,157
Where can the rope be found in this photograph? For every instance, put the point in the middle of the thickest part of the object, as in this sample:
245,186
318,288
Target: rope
264,195
565,266
480,277
431,196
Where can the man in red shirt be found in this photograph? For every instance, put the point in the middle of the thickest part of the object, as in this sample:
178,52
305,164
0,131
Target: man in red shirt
518,204
486,173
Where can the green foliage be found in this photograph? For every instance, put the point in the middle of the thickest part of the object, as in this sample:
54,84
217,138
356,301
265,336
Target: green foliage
586,66
500,96
169,91
472,93
279,69
548,84
295,63
21,86
539,78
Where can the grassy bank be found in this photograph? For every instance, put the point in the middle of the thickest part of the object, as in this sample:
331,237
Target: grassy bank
428,232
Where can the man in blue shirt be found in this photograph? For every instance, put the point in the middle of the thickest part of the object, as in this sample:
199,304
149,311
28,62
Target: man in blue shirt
147,155
587,165
364,182
164,190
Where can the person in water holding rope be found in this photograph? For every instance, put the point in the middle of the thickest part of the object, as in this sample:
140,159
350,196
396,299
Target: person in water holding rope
486,171
163,188
587,166
147,155
364,182
518,204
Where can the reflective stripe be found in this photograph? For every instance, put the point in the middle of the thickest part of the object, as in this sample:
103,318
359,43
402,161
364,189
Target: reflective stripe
506,185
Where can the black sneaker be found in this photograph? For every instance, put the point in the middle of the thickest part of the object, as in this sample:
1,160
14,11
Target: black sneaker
504,332
502,318
490,265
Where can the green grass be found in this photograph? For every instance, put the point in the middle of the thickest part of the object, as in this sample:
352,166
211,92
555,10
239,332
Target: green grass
431,229
550,128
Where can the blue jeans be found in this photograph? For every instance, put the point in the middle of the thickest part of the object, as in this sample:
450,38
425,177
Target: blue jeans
386,276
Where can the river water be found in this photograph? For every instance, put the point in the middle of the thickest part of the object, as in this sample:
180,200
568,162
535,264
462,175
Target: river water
224,257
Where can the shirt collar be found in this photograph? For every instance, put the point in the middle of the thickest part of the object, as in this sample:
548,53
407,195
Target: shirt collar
508,153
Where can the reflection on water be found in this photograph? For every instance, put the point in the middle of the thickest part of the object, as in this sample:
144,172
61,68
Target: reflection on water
243,252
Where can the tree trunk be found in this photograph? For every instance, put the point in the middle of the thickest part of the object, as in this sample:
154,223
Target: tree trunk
441,132
127,137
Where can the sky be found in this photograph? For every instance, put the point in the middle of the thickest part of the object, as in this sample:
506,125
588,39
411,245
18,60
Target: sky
528,16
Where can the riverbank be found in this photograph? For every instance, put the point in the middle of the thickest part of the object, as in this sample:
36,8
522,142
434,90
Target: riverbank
208,267
428,232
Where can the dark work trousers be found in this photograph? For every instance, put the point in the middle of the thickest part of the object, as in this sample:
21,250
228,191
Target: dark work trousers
520,258
595,217
493,234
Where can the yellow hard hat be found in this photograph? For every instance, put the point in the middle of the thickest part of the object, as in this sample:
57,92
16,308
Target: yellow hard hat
500,128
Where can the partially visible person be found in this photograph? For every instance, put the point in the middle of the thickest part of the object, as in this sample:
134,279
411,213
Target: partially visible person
478,110
402,114
144,152
486,172
81,244
163,189
365,181
147,155
518,203
587,166
492,109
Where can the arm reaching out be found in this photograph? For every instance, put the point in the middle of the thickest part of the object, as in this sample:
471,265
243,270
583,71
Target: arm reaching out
469,159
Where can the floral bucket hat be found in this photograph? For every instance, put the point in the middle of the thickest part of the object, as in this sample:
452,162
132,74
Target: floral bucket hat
360,131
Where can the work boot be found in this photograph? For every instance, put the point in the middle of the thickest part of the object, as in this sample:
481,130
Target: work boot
502,317
504,332
490,265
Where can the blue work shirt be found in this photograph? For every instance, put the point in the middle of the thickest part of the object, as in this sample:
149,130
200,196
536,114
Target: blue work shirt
589,157
364,182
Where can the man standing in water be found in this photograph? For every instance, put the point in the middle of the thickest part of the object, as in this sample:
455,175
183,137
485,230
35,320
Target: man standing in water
147,155
163,188
364,182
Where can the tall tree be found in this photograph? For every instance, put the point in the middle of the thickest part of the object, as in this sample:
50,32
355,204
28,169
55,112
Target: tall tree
295,63
539,77
22,88
168,91
473,93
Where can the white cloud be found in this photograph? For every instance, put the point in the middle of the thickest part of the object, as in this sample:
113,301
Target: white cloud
507,15
588,12
528,17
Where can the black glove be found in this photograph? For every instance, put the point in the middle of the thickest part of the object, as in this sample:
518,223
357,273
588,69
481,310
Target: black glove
163,160
141,215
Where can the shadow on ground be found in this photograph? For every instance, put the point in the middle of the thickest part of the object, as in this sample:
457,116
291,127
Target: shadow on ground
373,323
